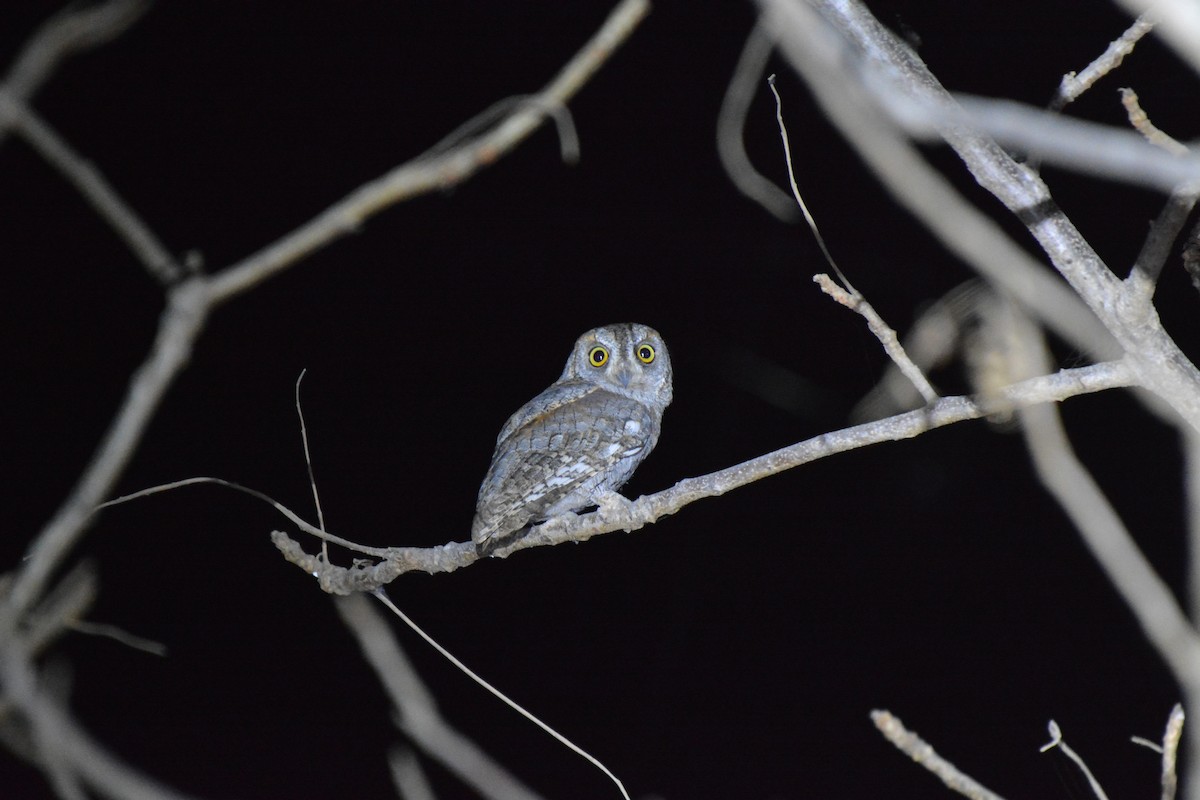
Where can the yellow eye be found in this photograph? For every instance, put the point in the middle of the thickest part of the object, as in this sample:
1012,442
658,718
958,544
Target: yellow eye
645,353
598,356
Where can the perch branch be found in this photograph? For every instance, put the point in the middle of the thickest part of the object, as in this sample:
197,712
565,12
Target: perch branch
648,509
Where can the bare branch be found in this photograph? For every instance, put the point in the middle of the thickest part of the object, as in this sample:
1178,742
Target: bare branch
92,185
1150,599
430,174
919,751
77,28
407,776
181,323
61,741
1143,278
416,712
1149,131
1056,740
1073,85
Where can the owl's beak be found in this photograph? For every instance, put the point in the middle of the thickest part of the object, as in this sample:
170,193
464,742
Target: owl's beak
624,376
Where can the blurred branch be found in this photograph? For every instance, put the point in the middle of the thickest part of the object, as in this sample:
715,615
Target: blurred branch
90,183
71,30
417,714
648,509
731,123
1177,22
426,174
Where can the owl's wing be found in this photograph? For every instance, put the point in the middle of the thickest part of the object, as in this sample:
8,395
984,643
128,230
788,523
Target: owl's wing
558,452
545,403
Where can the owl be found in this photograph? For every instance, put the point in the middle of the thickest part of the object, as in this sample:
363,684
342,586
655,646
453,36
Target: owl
579,440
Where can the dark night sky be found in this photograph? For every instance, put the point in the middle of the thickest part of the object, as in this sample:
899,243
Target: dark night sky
733,650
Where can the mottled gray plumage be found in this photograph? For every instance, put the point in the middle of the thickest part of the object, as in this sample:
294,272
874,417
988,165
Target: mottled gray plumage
581,438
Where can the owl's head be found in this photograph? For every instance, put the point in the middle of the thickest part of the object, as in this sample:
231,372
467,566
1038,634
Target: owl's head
626,358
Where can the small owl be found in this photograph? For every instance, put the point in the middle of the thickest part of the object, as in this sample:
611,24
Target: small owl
582,438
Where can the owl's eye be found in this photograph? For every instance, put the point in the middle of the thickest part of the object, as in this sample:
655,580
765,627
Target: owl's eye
598,356
645,353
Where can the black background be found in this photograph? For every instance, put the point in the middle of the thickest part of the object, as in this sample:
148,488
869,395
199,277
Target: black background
732,650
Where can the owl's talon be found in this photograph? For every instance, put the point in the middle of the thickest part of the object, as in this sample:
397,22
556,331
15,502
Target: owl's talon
616,507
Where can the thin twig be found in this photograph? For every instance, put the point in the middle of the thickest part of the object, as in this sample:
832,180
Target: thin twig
1073,85
1056,740
1168,751
787,157
883,332
850,297
1156,249
1141,123
919,751
508,701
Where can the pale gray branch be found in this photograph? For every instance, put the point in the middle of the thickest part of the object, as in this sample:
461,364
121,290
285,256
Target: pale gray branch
90,183
731,121
1177,22
74,29
426,174
1073,85
1150,599
417,714
920,751
1056,741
